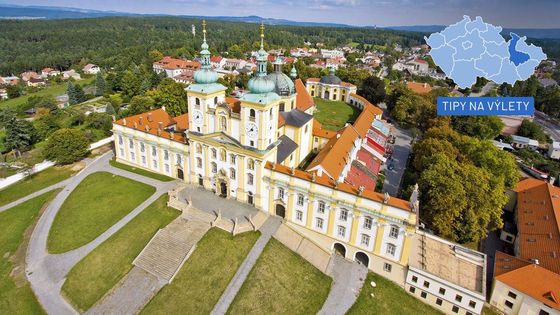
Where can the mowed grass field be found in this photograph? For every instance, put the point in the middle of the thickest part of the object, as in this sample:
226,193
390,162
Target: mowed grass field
34,183
99,201
16,296
205,275
281,282
334,115
140,171
101,269
388,298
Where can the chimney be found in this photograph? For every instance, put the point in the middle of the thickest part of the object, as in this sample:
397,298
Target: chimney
338,135
124,121
292,171
313,177
273,165
361,190
163,107
386,197
135,124
158,132
147,128
425,85
171,135
141,120
150,117
160,124
551,180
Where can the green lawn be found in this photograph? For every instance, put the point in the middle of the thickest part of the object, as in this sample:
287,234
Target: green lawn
16,296
281,282
388,298
55,90
99,201
140,171
99,271
34,183
334,115
206,274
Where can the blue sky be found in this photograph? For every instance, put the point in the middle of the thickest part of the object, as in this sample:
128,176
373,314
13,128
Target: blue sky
507,13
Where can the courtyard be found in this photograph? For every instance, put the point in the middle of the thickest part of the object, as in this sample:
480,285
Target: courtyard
334,115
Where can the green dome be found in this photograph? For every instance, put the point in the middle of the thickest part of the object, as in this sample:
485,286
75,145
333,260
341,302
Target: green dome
283,85
205,76
261,84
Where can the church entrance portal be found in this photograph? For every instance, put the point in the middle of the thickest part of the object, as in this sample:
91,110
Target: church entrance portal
340,249
281,211
223,189
327,95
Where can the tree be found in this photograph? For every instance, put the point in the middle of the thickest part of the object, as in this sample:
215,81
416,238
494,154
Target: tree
99,121
99,84
139,105
38,101
46,125
373,89
76,94
110,110
20,135
14,90
482,127
66,146
532,130
172,95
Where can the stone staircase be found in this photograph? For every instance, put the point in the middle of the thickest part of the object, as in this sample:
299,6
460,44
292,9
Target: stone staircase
170,247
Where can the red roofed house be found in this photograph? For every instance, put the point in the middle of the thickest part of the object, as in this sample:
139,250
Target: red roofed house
174,67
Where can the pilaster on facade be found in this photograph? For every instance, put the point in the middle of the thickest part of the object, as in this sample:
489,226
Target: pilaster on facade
379,236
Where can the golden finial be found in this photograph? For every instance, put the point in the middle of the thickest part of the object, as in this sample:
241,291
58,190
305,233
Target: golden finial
262,29
204,25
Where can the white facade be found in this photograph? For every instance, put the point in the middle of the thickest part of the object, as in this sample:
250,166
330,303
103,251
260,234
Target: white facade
513,302
554,150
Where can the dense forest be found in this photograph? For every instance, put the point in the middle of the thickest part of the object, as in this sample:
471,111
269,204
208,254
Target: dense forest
120,41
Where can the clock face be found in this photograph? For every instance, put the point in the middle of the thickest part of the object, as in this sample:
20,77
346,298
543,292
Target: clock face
197,116
251,130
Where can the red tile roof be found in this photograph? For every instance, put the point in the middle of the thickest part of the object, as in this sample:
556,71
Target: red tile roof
420,88
538,222
357,177
539,283
318,130
234,104
376,110
336,153
173,63
304,101
149,122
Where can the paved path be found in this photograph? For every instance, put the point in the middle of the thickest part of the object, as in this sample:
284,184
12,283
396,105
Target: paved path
401,151
348,279
35,194
131,294
268,229
46,272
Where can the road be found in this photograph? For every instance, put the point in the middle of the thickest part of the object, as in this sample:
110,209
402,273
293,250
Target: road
401,151
550,126
485,89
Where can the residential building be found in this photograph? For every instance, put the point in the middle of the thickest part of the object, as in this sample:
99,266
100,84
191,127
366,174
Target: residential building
91,69
445,275
3,94
330,87
331,54
71,74
418,87
36,82
11,80
28,75
173,67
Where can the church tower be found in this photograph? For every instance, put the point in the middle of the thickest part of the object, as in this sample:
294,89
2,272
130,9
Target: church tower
259,108
205,94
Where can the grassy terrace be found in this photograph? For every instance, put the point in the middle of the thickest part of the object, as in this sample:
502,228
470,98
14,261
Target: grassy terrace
334,115
16,296
34,183
99,271
140,171
99,201
388,298
55,90
282,282
206,274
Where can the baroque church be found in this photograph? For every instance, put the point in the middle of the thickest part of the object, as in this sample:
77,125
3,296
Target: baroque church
266,149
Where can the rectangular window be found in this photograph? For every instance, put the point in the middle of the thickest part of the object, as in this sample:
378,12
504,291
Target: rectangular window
387,267
122,152
367,223
130,143
424,294
319,223
299,215
142,147
394,233
441,291
132,156
250,179
154,151
343,215
439,302
455,309
412,289
391,249
166,155
472,304
509,304
232,158
458,298
154,163
143,160
321,207
341,231
167,168
300,200
543,312
365,239
426,284
179,159
232,173
120,140
414,279
512,295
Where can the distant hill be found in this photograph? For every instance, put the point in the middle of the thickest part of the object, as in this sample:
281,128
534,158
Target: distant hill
538,33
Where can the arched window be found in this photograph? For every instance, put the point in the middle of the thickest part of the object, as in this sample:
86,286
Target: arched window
197,101
222,155
198,162
252,114
216,100
250,164
280,193
198,148
394,233
214,167
214,153
223,123
300,200
391,249
232,173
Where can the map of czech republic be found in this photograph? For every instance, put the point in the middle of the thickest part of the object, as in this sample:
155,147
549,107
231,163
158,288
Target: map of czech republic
473,48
